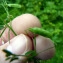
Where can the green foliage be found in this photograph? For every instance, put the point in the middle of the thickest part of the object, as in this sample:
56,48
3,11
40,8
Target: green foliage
10,56
41,31
30,56
50,13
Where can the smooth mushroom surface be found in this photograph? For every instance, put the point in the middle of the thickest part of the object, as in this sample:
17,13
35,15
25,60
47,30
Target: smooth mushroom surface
21,24
44,48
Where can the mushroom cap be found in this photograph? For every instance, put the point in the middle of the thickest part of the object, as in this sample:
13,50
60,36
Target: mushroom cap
44,48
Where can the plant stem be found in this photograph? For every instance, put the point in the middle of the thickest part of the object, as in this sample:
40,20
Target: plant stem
11,29
3,31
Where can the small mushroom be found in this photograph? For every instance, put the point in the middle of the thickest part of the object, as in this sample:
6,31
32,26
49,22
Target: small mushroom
21,24
44,47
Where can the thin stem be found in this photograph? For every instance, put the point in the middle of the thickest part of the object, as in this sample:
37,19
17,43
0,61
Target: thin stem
5,7
3,31
45,50
11,29
34,43
41,52
9,35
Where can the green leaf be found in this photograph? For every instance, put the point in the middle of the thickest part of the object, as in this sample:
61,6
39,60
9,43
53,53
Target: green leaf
41,31
8,53
7,58
30,53
34,43
14,5
13,58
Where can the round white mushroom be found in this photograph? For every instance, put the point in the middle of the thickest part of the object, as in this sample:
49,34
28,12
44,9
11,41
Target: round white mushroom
21,24
44,48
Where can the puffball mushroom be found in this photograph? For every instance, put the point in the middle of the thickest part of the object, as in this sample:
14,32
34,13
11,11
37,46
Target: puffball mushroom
21,24
20,45
44,48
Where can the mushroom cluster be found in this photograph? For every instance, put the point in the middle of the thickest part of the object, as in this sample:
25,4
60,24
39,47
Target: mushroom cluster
44,46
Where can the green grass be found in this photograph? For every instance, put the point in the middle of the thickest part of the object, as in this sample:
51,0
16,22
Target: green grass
49,12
